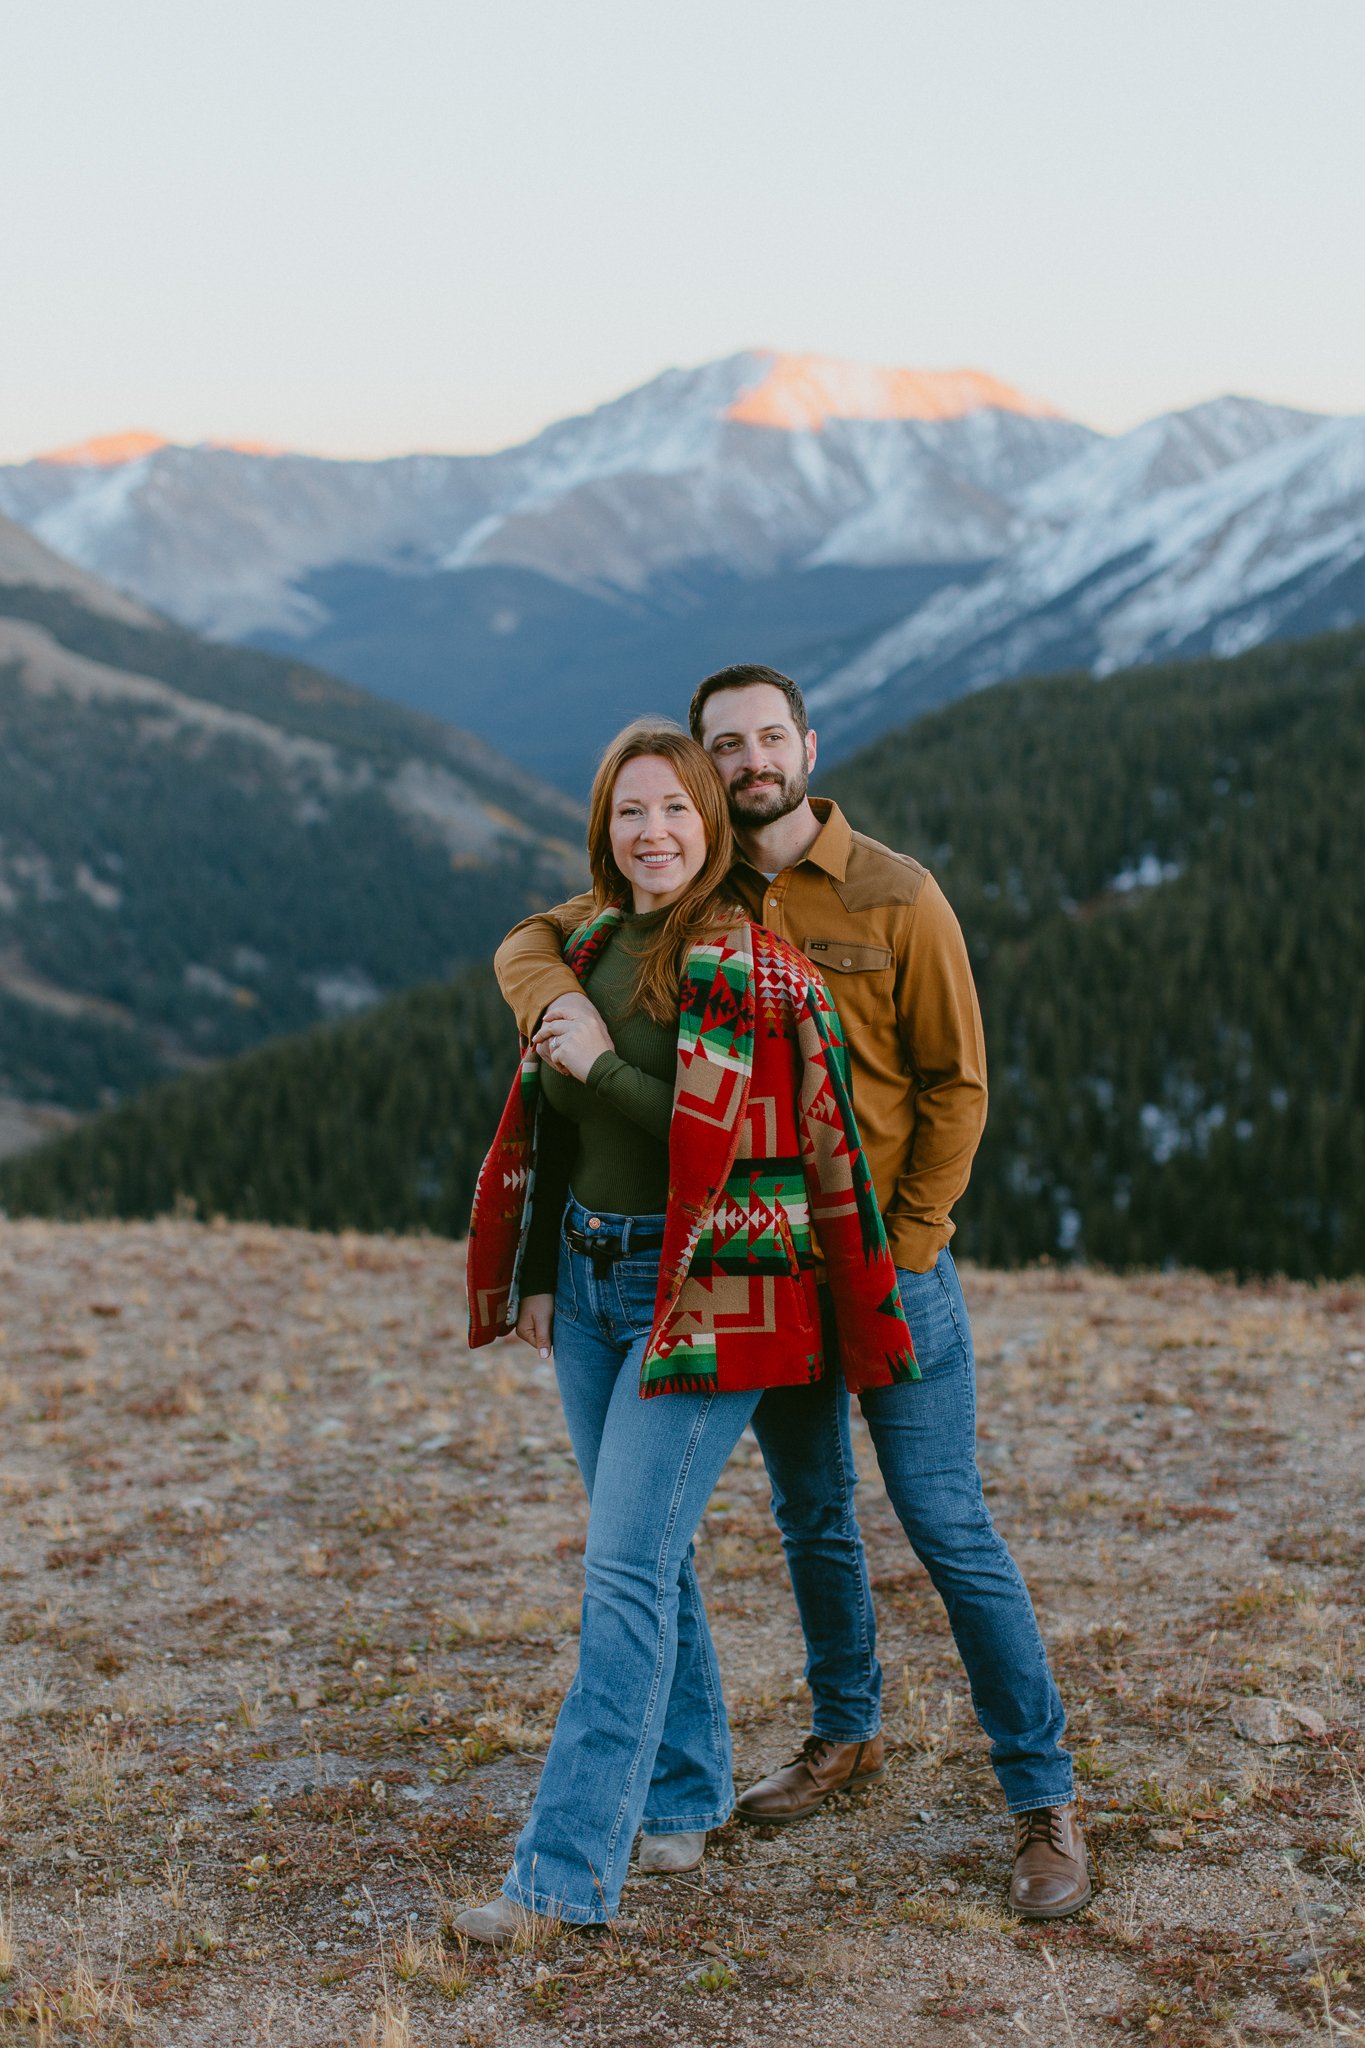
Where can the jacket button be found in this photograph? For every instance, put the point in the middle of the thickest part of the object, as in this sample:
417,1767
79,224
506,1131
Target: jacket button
594,1222
845,962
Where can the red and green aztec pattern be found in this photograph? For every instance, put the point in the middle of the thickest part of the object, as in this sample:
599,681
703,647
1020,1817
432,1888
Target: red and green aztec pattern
764,1160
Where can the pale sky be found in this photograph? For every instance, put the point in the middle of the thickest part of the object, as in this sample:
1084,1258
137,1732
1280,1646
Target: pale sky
363,229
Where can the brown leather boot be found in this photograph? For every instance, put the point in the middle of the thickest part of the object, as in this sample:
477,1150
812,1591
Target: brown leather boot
819,1769
1051,1873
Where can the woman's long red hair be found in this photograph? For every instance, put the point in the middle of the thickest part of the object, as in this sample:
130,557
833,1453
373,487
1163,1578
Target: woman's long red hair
705,906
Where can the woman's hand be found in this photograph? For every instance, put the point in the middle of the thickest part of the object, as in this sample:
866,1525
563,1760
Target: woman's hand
571,1036
536,1322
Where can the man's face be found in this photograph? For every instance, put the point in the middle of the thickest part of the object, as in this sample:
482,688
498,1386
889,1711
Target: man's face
764,761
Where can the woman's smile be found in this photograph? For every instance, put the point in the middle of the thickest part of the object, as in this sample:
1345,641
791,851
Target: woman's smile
658,841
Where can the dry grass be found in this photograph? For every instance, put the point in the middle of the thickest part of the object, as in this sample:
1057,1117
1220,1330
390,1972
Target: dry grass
83,2002
289,1600
92,1768
9,1953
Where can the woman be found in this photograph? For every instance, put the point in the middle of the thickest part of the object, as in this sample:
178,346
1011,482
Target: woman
647,1208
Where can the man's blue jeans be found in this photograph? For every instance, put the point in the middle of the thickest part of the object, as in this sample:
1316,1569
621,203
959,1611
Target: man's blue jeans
645,1649
924,1434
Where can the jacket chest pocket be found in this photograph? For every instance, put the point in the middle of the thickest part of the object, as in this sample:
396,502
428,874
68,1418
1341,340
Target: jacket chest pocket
835,956
858,979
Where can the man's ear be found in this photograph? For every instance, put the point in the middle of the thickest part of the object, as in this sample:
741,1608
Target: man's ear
810,751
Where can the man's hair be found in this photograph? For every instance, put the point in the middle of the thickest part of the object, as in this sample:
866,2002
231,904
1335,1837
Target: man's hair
741,676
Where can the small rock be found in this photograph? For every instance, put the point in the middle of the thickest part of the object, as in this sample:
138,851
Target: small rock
846,1884
1166,1838
1302,1959
1272,1721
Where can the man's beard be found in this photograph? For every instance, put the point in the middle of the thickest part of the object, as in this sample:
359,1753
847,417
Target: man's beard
763,800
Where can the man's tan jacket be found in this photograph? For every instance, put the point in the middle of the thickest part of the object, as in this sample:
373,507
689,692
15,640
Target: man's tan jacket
884,936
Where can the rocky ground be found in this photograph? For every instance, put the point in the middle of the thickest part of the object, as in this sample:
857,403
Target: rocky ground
288,1590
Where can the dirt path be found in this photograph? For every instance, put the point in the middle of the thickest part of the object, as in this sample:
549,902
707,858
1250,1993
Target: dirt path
288,1586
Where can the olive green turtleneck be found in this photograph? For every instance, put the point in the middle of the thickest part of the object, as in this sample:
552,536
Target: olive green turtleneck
606,1138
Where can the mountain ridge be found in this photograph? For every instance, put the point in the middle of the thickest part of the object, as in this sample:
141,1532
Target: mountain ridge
964,533
202,846
665,475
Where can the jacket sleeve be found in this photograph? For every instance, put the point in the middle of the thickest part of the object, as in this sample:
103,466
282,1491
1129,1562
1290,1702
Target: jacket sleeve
945,1052
529,963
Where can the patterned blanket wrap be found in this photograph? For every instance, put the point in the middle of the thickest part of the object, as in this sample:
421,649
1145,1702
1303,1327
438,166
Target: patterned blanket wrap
763,1150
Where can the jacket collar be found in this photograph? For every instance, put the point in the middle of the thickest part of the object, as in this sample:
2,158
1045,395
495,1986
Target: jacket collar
832,845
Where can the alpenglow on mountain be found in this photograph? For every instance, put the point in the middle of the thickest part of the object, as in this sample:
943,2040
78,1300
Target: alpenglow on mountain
894,538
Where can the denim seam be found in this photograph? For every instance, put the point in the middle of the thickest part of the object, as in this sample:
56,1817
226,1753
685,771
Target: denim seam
686,1823
558,1909
566,1280
854,1536
718,1731
946,1292
660,1594
631,1328
1046,1799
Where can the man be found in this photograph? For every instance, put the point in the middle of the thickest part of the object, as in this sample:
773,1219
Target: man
882,932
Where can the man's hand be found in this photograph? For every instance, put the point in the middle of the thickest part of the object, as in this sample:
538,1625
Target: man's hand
572,1036
536,1322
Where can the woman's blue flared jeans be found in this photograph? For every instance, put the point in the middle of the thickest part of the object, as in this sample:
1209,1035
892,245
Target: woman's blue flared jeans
645,1656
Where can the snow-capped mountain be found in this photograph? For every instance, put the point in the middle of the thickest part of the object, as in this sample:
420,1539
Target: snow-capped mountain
753,462
1205,531
893,537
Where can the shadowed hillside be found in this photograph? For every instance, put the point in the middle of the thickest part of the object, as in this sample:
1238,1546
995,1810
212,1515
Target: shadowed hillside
203,847
1162,882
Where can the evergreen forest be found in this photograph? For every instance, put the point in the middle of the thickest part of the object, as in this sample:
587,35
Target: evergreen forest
1161,877
172,892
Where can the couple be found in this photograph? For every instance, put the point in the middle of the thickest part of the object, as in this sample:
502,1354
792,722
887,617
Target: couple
680,1204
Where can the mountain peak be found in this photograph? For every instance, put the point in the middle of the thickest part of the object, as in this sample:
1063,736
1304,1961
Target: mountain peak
107,451
801,392
111,451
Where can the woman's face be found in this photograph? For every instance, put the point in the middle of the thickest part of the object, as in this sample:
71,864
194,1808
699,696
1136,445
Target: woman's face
657,839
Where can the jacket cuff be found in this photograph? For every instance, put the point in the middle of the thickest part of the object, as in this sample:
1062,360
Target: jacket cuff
915,1245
